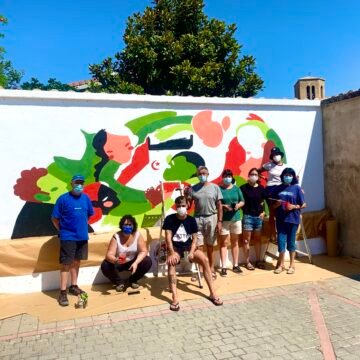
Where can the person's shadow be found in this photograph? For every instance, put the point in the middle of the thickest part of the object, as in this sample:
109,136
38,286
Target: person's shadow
47,267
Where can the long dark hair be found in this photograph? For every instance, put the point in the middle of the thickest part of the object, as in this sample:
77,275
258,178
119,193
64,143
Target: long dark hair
289,171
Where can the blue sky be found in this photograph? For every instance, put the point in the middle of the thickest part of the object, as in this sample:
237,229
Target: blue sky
289,39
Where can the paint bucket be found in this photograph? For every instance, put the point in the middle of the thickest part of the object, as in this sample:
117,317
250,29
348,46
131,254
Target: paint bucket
331,237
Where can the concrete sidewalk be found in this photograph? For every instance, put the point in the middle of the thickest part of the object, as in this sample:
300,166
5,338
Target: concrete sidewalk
313,320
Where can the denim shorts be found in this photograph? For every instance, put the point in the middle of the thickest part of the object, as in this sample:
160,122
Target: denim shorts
252,223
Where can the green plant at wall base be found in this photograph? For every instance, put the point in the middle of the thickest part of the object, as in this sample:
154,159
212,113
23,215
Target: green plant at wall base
173,48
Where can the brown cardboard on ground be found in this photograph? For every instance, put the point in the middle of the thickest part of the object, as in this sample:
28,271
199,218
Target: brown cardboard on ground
104,298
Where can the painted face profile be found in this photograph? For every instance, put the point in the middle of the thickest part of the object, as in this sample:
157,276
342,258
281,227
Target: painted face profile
118,148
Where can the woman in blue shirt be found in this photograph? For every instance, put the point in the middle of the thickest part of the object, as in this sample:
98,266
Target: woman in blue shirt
289,202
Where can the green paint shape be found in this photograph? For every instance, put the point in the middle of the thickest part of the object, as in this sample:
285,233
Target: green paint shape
274,137
264,128
42,197
48,183
137,124
164,134
180,169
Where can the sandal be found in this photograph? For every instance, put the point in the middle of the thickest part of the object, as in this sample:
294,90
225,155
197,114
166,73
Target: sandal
250,266
174,307
216,301
213,275
260,264
291,271
279,270
236,269
194,277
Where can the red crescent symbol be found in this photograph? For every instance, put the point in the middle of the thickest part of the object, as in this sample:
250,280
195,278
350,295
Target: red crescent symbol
155,165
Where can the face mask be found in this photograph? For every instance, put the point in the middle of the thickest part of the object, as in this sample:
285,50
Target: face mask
181,211
78,188
288,180
253,178
202,178
227,180
127,229
277,158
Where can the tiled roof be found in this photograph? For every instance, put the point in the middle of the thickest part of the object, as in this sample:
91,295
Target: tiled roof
349,95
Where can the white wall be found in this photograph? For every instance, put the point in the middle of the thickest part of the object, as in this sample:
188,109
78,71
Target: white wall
35,126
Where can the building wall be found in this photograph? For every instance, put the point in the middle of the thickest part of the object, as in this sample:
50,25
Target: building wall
126,144
341,121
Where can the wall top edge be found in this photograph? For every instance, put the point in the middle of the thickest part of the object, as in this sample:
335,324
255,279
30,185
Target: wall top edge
133,98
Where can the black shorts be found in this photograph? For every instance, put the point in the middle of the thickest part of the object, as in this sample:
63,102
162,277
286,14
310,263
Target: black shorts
71,250
181,250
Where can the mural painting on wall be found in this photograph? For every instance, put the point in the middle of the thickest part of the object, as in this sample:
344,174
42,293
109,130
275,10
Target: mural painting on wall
123,172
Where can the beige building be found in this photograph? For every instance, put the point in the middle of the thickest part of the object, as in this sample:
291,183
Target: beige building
341,134
310,88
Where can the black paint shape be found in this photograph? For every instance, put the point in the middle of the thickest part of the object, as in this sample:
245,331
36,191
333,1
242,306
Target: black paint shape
34,219
175,144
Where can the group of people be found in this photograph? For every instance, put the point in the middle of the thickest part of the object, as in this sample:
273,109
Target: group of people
217,216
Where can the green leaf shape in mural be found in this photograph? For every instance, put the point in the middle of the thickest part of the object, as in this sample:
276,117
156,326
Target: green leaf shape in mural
53,185
274,137
170,131
125,193
65,168
180,169
137,124
155,124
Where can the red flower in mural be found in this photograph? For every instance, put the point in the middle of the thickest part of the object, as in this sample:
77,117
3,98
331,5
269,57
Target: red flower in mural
26,187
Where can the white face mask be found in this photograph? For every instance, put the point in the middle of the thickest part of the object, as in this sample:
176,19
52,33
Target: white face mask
253,178
181,210
277,158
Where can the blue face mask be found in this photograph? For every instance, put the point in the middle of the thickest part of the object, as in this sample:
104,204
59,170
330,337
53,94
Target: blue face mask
202,178
78,188
288,179
127,229
227,180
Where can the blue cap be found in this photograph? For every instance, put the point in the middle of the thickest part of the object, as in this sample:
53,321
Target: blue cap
78,177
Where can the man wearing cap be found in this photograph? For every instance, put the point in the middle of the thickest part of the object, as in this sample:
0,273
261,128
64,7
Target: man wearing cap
70,217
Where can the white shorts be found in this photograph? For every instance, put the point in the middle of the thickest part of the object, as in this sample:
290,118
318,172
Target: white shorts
231,227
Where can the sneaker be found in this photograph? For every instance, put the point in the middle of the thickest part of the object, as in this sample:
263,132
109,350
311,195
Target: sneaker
120,287
134,285
223,272
75,290
63,299
236,269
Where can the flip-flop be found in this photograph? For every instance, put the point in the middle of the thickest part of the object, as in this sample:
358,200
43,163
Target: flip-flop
279,270
250,266
213,275
291,271
174,307
216,301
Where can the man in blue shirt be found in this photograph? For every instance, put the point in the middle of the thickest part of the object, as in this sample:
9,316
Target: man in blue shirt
70,217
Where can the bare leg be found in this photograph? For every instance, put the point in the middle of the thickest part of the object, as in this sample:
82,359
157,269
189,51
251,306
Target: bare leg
257,244
64,275
74,271
272,223
235,249
223,239
281,261
200,258
246,245
292,259
210,255
172,283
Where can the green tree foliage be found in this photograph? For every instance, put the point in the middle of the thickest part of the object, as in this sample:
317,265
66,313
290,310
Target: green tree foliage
9,77
52,84
173,48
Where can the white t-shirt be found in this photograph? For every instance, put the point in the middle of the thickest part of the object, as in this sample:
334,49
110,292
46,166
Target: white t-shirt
274,171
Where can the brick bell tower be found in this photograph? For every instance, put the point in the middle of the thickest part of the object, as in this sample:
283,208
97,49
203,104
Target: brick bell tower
310,88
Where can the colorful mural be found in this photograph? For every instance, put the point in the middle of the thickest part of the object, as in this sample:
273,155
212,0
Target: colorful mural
123,171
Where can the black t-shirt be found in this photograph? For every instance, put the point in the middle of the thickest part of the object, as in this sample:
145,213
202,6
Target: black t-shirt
254,198
182,230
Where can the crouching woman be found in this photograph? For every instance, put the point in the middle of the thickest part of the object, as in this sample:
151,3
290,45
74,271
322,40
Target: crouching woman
126,252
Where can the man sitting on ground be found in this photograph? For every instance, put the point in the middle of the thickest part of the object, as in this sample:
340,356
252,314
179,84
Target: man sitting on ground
180,233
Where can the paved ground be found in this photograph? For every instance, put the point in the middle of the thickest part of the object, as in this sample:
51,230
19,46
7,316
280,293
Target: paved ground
318,320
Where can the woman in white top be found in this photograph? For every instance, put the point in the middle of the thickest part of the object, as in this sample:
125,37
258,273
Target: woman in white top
275,167
127,251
